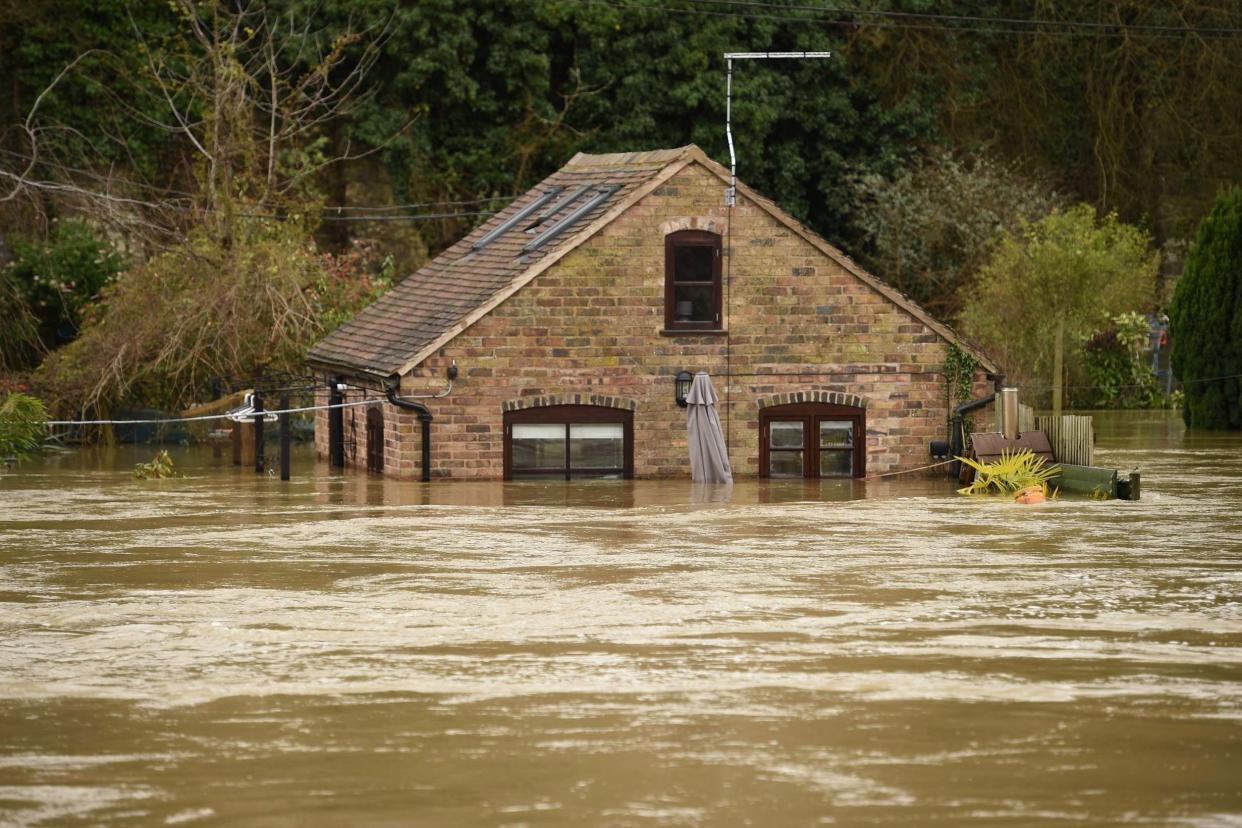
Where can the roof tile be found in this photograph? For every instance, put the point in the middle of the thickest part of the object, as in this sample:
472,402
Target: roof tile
423,307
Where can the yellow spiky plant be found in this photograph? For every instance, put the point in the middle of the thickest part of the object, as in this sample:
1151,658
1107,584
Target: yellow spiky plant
1013,472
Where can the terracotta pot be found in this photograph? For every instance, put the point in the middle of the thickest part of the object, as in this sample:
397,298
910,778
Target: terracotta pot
1031,494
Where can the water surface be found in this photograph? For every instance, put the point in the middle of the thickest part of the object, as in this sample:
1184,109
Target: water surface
225,648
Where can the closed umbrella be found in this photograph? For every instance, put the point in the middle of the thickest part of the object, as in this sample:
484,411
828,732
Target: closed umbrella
709,458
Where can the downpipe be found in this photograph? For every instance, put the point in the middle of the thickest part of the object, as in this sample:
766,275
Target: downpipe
424,416
957,427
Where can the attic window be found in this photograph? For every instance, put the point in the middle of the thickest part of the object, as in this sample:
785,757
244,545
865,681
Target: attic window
692,280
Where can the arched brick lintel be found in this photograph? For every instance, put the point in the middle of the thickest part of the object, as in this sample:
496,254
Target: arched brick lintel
712,225
545,400
813,396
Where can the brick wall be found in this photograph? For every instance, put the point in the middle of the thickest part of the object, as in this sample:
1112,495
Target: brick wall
402,433
591,325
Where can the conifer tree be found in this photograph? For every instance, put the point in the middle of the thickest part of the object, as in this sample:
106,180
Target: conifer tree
1206,320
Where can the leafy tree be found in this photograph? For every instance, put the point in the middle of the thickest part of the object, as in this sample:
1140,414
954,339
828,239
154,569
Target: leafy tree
62,275
507,92
1140,114
1053,283
1206,320
205,310
1117,365
930,228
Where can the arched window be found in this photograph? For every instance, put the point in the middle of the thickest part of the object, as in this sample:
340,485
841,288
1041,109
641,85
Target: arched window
569,442
812,440
692,284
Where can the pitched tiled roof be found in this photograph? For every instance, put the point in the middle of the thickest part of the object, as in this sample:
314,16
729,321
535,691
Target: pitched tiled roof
468,280
462,283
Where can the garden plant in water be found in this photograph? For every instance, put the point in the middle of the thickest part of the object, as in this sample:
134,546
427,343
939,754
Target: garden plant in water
159,467
23,420
1014,473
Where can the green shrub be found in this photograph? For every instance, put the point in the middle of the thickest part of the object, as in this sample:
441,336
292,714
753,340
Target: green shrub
1047,288
23,422
1117,367
158,468
206,310
1205,320
931,228
60,277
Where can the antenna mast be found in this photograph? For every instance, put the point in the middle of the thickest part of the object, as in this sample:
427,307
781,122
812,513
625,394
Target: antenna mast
731,193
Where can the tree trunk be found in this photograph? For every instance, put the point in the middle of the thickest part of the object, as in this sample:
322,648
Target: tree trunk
1058,366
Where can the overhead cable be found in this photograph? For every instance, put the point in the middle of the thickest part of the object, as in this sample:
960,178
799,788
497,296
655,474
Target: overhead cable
979,26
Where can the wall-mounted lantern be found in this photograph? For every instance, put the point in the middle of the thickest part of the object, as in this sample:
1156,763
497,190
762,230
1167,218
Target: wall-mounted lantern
682,387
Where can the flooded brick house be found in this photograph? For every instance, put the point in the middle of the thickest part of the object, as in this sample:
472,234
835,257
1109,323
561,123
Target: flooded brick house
548,342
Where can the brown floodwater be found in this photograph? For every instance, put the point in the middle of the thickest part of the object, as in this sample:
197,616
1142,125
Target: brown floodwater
227,649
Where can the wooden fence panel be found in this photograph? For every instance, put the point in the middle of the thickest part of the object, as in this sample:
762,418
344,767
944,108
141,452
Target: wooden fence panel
1026,418
1072,437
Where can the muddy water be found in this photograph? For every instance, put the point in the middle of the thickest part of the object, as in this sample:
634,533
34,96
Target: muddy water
230,649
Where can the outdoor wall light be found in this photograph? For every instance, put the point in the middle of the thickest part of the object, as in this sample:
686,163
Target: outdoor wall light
681,387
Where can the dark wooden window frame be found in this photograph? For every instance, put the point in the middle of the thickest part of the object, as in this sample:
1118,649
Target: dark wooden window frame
567,415
810,414
691,238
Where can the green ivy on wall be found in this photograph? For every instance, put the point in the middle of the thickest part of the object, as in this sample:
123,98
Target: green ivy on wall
959,373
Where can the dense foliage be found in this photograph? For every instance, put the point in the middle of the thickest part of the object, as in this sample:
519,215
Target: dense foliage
62,275
1116,366
23,421
1068,272
506,91
204,312
933,129
929,229
1206,320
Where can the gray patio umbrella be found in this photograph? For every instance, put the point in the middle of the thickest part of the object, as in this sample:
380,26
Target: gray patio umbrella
709,458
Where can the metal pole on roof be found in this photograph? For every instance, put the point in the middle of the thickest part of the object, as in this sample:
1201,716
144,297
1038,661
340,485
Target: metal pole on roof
730,200
731,195
732,192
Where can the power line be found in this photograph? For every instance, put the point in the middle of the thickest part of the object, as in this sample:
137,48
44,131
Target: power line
205,417
179,204
417,205
417,217
836,17
958,18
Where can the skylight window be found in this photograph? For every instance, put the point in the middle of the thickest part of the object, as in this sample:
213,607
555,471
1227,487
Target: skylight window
515,219
602,194
557,207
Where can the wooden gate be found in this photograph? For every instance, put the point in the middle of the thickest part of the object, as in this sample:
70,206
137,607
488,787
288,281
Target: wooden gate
375,440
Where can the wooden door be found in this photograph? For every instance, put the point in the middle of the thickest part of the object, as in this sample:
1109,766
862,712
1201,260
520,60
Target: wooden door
375,440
